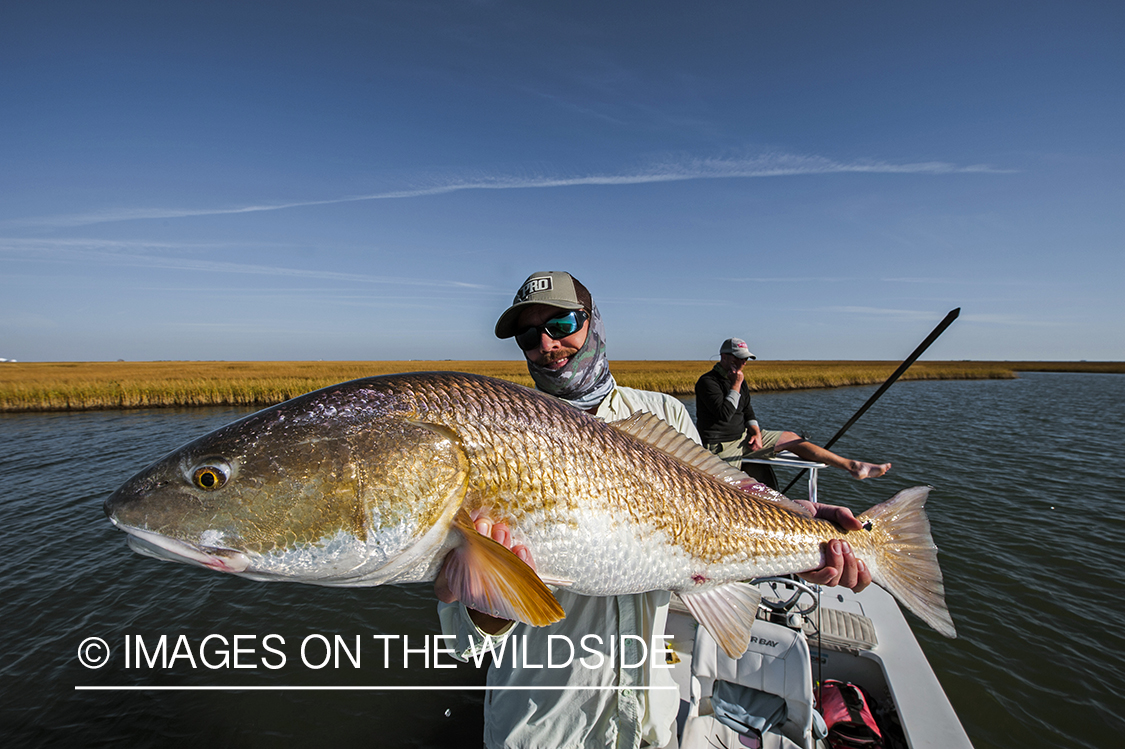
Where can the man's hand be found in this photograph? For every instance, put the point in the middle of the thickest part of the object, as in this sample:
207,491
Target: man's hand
840,565
754,440
736,380
501,534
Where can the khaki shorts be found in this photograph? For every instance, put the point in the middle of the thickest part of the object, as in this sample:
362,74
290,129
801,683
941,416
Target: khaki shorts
734,451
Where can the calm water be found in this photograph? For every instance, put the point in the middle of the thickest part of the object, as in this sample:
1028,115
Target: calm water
1028,509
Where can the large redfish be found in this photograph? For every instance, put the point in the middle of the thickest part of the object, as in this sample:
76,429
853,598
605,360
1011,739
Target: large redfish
373,481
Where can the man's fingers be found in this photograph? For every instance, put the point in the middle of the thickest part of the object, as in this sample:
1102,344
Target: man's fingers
841,567
846,520
829,574
864,576
524,554
849,572
498,532
502,535
841,516
823,576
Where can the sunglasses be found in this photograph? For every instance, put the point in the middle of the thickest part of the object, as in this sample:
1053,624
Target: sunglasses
557,327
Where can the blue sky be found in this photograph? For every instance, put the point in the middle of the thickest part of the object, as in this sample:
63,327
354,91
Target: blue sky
373,180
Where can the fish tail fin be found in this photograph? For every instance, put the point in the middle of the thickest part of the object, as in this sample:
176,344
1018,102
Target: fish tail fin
905,560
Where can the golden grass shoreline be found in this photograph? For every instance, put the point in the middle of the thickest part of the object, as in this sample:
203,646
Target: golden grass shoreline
85,386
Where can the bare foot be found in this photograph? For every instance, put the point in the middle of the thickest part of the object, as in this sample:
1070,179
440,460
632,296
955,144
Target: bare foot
868,470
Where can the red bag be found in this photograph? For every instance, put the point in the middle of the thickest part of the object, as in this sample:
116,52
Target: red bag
848,713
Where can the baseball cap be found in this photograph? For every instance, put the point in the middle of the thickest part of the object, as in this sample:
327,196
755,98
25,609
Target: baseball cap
736,347
553,288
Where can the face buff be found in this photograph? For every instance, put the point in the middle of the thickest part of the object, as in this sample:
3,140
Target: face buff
585,380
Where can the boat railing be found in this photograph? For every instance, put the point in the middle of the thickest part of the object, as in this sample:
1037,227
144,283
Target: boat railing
786,459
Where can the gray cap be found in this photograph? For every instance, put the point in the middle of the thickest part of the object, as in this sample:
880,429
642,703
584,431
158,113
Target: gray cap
736,347
553,288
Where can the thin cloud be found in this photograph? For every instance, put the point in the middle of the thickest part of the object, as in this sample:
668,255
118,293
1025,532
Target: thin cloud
907,314
143,255
899,314
662,301
965,281
792,279
934,281
672,170
1011,319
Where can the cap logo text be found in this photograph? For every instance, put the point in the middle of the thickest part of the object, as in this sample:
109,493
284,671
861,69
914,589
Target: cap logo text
533,286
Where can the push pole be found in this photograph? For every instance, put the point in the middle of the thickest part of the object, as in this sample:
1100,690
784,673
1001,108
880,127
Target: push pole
890,381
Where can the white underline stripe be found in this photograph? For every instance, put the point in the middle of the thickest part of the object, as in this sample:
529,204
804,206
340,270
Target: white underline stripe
134,688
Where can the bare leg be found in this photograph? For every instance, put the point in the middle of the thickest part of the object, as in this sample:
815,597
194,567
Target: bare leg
856,468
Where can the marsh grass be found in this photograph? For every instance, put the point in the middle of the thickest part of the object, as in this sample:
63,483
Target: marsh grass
78,386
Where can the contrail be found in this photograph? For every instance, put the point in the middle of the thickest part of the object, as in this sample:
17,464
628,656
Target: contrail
767,165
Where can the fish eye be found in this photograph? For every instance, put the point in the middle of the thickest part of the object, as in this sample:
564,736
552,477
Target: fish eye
211,476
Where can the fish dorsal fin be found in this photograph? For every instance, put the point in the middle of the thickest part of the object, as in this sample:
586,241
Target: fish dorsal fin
727,613
487,577
761,491
653,430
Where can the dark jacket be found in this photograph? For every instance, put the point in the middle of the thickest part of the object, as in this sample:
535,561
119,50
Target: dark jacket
717,420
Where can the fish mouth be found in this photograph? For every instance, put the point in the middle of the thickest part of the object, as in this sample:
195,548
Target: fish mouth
155,545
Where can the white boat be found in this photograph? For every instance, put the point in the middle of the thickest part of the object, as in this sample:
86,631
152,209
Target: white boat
805,636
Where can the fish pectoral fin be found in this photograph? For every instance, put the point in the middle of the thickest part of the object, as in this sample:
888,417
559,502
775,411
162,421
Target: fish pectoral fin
727,613
487,577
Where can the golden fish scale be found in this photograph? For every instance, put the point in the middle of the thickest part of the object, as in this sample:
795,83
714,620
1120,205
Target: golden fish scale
530,453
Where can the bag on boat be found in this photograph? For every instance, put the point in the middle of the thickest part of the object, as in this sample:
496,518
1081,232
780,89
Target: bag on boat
848,712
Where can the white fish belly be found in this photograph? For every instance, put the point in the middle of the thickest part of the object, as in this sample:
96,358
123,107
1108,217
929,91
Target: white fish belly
603,556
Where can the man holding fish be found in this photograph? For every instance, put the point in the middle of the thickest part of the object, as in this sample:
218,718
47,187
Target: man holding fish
557,326
389,480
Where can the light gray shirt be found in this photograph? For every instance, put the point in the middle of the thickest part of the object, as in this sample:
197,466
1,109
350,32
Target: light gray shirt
611,705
